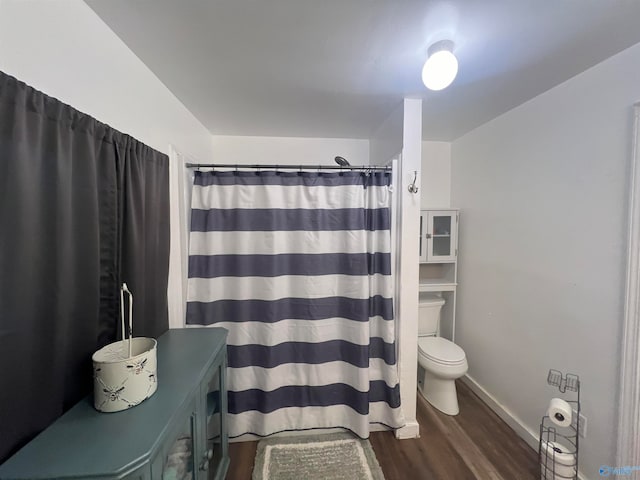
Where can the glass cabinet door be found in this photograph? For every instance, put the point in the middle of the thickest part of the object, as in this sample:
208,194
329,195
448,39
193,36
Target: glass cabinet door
215,407
178,461
441,236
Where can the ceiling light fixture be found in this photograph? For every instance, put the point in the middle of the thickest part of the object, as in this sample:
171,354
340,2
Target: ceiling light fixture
441,66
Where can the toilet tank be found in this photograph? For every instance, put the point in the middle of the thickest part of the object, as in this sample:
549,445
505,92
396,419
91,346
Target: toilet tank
429,306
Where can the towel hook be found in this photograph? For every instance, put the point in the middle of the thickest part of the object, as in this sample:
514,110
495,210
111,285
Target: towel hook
413,188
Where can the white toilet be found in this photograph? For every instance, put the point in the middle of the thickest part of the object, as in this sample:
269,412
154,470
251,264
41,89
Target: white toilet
440,361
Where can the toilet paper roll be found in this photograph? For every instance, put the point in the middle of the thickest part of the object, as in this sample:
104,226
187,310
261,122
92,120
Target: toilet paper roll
559,412
558,462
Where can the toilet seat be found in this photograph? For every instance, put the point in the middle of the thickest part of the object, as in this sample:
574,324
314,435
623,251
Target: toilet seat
441,351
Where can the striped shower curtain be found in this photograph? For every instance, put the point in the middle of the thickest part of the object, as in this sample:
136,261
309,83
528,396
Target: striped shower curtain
296,265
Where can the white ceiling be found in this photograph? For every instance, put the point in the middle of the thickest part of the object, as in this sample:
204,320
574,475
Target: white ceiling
336,68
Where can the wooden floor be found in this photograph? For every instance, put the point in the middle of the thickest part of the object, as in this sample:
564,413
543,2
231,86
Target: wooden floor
476,444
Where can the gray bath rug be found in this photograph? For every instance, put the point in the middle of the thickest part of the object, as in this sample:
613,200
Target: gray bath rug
337,456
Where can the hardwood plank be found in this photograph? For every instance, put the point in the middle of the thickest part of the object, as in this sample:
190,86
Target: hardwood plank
430,457
242,455
474,445
494,438
468,452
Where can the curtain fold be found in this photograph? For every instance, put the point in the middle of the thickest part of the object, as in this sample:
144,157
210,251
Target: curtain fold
297,267
65,246
144,227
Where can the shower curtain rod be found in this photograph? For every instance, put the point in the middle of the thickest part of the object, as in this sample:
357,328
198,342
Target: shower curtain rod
287,167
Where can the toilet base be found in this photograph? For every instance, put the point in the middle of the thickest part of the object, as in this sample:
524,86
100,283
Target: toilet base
439,392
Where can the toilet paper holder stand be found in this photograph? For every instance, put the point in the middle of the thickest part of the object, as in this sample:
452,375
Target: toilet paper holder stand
558,446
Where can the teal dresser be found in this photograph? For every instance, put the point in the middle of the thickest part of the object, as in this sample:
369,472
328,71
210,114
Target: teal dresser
179,433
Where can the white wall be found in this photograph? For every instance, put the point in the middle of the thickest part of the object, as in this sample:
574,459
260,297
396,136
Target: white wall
436,175
407,290
64,49
543,193
288,150
386,141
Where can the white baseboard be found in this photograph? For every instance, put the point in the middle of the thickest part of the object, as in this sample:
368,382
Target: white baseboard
410,430
524,432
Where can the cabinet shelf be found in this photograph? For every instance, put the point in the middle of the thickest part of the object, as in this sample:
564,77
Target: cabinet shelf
437,274
436,285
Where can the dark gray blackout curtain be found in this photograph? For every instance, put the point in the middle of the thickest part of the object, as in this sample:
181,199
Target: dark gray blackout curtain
83,208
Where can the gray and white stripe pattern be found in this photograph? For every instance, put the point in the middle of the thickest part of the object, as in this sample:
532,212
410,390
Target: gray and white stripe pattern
297,267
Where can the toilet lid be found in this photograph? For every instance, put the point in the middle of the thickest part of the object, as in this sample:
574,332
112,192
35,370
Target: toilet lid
440,350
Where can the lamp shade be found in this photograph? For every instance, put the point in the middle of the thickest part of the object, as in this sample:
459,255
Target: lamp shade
440,69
